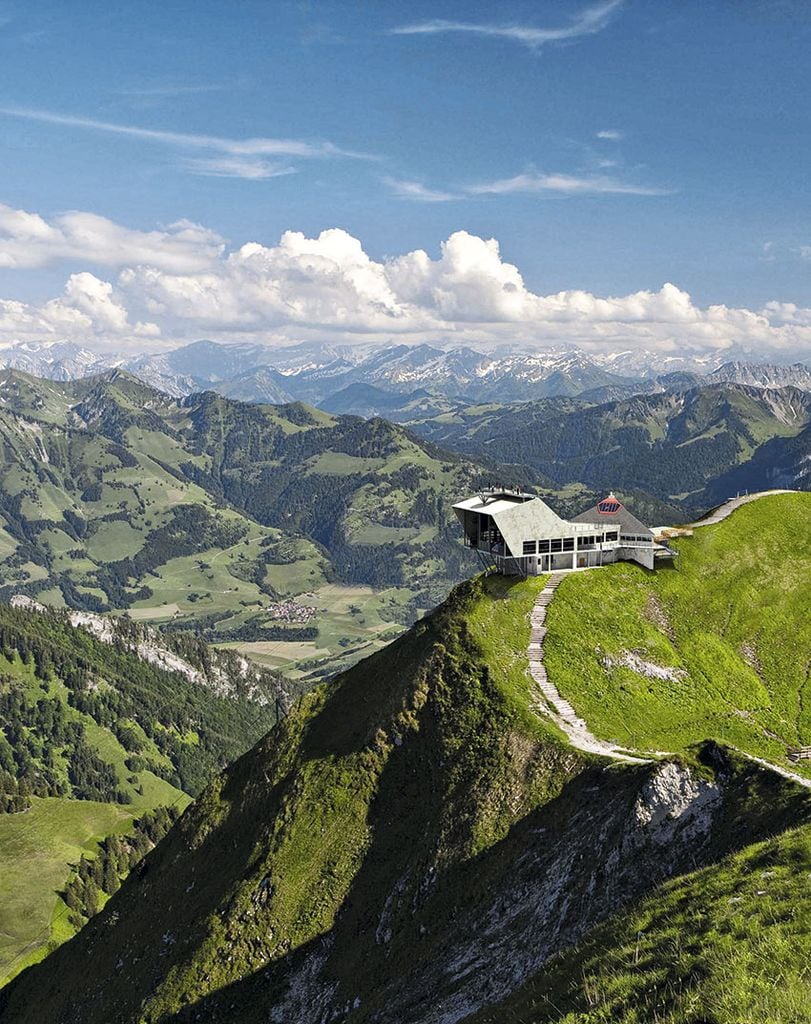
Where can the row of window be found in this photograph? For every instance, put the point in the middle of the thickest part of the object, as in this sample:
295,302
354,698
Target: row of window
589,542
637,538
545,547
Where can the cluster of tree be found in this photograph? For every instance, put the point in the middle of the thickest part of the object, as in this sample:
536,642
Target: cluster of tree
126,458
44,752
408,477
150,710
253,631
15,794
100,876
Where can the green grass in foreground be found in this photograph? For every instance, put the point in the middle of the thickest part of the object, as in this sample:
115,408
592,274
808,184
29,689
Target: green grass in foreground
730,944
733,618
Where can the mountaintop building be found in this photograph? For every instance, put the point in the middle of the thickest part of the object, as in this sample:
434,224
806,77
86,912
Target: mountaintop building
521,534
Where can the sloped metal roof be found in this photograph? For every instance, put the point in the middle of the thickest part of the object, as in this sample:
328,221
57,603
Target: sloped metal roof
520,520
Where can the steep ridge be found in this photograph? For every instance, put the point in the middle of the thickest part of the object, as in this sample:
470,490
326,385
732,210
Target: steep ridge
411,843
727,944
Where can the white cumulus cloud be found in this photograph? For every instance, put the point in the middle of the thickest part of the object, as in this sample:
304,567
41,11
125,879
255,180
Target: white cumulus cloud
88,310
328,287
29,240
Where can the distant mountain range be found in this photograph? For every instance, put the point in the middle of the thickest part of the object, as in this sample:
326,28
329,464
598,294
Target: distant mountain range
203,510
339,378
693,446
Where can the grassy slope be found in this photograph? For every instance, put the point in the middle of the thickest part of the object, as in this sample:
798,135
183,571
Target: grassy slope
38,846
419,774
36,851
730,944
734,616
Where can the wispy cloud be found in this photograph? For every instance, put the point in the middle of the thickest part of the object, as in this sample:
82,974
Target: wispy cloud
587,22
418,192
246,167
170,89
611,134
250,147
565,183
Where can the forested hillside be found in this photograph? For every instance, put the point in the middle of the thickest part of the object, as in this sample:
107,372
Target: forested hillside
100,724
691,446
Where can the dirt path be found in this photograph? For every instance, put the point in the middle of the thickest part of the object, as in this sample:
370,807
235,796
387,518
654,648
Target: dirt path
729,506
801,780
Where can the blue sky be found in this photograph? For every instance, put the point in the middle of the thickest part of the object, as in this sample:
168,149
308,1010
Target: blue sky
609,147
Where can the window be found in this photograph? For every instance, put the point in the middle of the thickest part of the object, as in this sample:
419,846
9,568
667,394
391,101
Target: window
568,544
543,547
586,542
611,536
556,545
529,547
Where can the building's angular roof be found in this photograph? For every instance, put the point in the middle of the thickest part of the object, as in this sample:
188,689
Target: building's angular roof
611,512
518,516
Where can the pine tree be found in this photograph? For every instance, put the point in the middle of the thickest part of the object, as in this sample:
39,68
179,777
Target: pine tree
110,880
91,900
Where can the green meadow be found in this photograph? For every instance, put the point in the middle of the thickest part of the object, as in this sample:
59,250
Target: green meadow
731,620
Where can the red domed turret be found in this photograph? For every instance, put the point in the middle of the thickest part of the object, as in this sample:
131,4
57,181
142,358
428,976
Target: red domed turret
609,506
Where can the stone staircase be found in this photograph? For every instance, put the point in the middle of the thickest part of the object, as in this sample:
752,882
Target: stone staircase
536,666
550,703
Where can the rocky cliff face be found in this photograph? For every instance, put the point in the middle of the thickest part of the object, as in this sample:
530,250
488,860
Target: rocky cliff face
611,836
